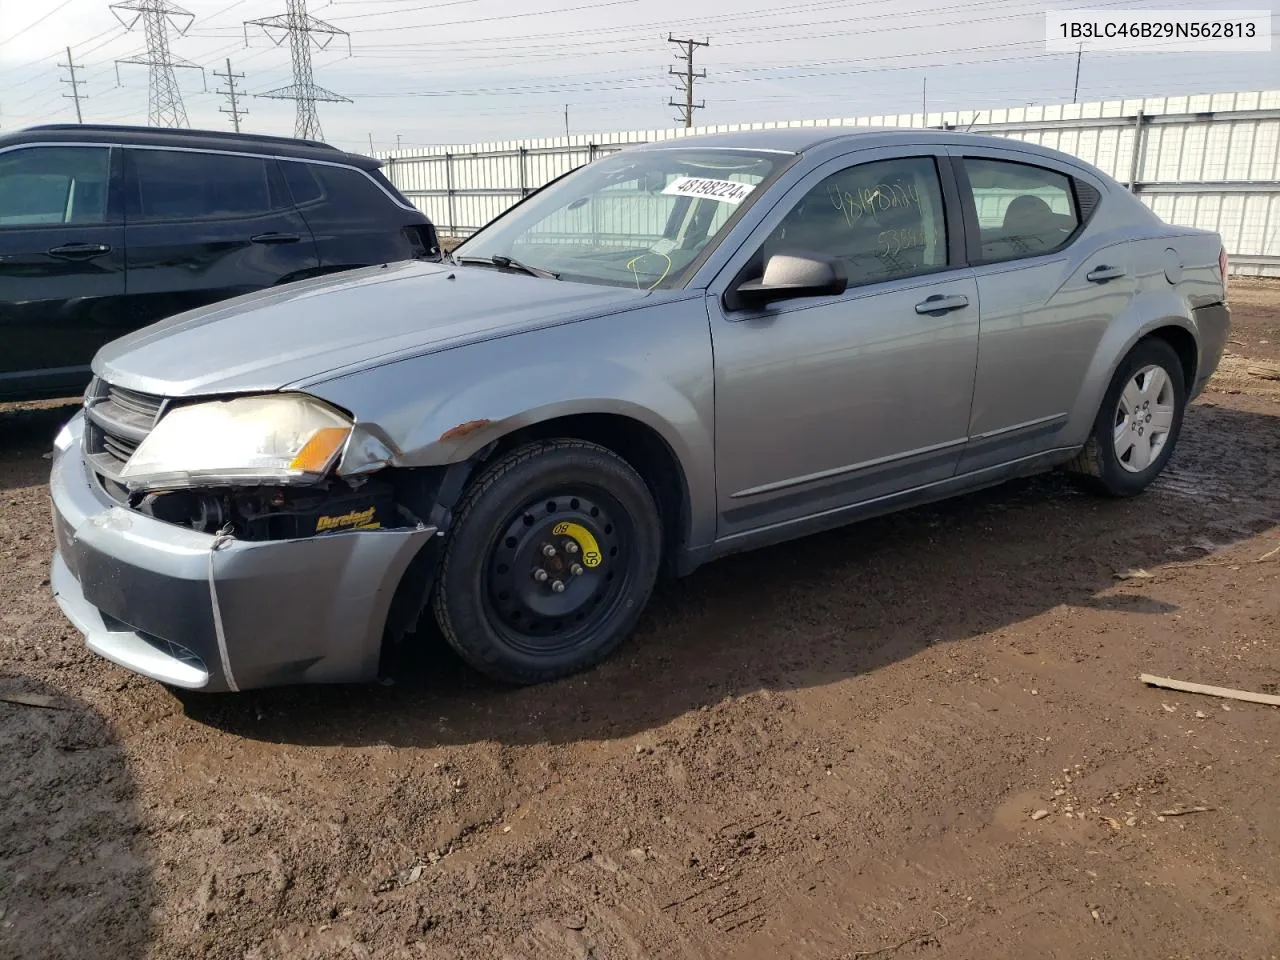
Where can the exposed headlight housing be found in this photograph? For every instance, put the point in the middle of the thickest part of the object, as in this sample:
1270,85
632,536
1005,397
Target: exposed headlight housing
247,441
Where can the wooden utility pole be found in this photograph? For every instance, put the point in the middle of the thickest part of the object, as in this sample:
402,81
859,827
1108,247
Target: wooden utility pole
236,111
1075,91
687,76
71,67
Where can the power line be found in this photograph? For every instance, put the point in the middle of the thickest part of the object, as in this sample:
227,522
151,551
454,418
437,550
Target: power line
687,76
404,10
32,26
600,35
300,28
164,99
236,111
71,66
503,17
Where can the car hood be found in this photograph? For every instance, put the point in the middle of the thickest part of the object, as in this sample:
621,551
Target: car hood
315,329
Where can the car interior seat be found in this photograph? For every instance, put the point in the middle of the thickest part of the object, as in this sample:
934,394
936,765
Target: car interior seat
1030,225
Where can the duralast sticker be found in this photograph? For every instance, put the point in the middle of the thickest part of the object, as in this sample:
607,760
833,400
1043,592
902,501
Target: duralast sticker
356,519
725,191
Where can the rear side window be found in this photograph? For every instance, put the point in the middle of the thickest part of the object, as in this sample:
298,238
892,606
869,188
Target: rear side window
181,185
302,182
40,185
1023,210
340,193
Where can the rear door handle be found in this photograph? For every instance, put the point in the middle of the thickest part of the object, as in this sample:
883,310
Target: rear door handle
941,304
275,238
79,251
1103,274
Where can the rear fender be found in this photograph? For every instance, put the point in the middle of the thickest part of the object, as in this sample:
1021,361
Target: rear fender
1146,314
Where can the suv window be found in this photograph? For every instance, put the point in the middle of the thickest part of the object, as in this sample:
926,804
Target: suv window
182,185
1023,210
350,194
54,185
302,182
882,220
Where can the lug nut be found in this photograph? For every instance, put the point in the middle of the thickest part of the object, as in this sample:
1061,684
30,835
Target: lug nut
548,550
557,586
570,547
576,569
540,575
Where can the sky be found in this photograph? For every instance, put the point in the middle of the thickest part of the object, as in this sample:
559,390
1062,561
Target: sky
459,71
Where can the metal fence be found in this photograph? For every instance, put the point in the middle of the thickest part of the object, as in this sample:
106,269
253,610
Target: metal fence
1210,161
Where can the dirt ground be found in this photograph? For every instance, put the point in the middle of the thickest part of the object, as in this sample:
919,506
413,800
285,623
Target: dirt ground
834,749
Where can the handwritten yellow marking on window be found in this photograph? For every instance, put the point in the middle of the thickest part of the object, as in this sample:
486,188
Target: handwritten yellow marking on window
893,242
872,201
631,265
582,536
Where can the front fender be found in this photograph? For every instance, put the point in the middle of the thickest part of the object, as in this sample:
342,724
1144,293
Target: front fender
1145,314
652,366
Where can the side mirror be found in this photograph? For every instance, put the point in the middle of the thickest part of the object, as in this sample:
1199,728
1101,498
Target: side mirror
787,276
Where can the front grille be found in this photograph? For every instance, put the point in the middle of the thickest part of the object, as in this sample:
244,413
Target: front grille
119,448
140,404
116,421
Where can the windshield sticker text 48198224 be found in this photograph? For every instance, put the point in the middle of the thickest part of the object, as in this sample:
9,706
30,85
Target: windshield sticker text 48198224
726,191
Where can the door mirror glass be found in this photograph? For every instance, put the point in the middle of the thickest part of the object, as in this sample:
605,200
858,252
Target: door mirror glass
790,275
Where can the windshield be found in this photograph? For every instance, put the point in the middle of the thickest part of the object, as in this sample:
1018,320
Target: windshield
633,219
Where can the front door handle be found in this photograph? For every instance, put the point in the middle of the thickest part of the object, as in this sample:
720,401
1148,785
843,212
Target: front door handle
1103,274
79,251
940,304
275,238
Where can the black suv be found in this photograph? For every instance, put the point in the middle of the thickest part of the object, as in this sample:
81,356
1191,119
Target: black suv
104,229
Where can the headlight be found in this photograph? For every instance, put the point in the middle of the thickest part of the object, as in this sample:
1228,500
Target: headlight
277,439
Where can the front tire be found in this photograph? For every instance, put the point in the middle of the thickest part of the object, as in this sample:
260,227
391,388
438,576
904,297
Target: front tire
552,558
1138,424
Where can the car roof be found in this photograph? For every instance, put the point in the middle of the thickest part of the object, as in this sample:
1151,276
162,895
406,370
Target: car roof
190,139
802,139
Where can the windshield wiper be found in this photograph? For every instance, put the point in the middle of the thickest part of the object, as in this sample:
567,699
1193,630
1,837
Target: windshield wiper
506,263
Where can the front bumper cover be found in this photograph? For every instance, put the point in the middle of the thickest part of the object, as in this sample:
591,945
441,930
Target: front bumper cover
290,611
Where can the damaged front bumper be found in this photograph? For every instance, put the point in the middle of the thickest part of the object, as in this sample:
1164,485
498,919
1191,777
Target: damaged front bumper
203,612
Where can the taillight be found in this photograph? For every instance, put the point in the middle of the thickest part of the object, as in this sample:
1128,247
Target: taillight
1222,265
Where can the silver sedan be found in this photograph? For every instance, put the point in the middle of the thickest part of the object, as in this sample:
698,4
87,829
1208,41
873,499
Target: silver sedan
676,352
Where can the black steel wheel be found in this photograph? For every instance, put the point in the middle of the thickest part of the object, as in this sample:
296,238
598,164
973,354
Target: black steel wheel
550,561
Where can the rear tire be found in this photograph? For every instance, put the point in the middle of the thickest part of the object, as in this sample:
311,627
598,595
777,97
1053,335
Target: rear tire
521,614
1138,423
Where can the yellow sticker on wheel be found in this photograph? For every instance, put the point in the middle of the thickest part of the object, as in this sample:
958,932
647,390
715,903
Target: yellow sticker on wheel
582,536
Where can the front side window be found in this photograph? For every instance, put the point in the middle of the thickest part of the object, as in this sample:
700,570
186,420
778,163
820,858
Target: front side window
187,185
40,185
879,221
1023,210
633,219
